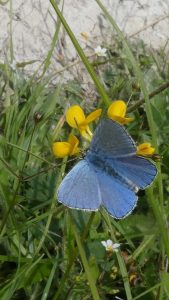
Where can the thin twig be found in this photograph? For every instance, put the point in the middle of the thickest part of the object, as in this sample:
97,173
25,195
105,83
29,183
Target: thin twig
160,89
76,62
149,25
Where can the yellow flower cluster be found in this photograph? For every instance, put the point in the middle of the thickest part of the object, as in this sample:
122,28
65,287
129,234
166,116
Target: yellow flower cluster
76,118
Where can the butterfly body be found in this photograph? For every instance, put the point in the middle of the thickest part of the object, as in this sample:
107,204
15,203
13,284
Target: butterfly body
107,166
109,175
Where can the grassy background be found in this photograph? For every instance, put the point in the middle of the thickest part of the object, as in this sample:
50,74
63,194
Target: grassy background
46,250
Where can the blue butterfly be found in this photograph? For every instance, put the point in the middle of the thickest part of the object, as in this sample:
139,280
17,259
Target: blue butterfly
110,175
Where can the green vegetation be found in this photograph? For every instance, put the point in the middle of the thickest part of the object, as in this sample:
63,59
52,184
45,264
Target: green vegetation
46,250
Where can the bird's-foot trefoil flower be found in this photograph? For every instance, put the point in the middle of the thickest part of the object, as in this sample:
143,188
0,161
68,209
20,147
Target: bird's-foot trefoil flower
76,118
99,51
117,112
68,148
110,246
145,149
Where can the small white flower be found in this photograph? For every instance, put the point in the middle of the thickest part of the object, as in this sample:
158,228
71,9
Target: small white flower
110,246
99,51
53,126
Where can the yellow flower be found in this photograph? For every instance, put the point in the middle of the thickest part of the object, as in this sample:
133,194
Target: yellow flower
145,149
117,111
62,149
76,118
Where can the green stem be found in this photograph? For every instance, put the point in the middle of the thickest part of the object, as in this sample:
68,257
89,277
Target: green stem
49,281
119,258
158,213
91,281
71,262
83,57
30,153
8,167
147,292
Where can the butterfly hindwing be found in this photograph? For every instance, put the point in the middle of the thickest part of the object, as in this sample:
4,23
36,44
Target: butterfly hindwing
80,189
137,170
117,199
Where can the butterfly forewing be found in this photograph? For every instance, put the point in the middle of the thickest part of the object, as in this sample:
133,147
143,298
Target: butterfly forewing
112,140
80,188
